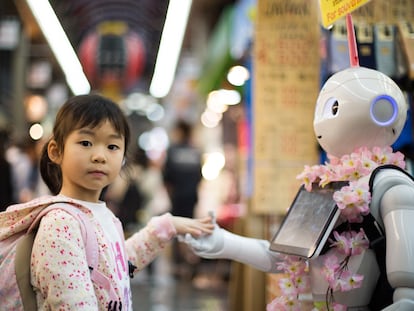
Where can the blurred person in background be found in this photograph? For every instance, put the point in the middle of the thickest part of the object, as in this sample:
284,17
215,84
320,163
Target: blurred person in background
137,198
181,175
125,196
6,181
24,159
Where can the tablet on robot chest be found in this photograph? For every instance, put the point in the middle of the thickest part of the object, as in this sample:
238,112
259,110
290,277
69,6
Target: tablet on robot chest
309,222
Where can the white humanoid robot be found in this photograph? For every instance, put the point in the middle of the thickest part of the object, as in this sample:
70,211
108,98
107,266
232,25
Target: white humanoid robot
356,107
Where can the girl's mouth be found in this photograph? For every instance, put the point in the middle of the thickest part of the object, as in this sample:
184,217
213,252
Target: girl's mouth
97,173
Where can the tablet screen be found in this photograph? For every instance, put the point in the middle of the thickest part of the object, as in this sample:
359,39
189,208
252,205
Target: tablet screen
308,222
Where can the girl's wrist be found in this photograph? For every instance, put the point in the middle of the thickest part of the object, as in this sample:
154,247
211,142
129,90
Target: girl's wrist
163,226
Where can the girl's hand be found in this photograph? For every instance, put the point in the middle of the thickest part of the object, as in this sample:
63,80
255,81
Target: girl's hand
195,227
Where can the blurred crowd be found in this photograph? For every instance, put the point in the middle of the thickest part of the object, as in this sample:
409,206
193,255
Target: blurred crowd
20,178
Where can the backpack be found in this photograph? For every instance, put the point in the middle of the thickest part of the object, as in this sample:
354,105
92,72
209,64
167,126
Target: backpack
16,241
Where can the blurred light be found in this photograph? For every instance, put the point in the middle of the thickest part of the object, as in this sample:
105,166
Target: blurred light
214,103
217,103
39,74
136,102
212,166
224,97
238,75
154,142
170,47
155,112
56,95
36,131
144,140
36,108
156,139
60,46
229,97
210,118
9,33
217,158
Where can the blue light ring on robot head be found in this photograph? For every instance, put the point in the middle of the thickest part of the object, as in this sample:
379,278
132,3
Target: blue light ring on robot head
380,99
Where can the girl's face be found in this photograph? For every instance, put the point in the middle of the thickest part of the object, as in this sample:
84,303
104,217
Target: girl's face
92,159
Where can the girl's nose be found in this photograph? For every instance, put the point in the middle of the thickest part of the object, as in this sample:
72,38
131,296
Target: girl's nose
99,159
99,156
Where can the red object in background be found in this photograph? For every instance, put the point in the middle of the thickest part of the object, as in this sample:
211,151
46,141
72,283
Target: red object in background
243,136
227,214
112,58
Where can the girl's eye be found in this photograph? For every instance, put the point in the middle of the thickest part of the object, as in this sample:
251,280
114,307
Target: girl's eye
113,147
85,143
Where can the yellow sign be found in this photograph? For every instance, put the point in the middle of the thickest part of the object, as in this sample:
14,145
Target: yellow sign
332,10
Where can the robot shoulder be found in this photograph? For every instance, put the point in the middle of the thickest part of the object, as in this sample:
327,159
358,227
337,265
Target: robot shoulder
388,179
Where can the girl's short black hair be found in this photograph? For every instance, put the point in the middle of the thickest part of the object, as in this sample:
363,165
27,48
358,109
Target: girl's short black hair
78,112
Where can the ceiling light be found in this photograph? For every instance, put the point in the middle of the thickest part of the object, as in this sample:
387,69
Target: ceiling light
170,47
60,46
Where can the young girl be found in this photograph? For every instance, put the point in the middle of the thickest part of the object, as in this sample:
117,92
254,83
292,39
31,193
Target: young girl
85,154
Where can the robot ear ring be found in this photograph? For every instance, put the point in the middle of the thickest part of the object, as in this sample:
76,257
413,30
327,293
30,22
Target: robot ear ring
384,110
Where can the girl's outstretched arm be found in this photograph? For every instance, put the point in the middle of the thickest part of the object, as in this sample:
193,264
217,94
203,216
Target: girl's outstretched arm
146,244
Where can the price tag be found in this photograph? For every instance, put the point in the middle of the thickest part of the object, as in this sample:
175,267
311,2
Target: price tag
332,10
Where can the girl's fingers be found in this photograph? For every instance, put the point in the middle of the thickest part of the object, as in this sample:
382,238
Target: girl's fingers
207,219
195,227
196,232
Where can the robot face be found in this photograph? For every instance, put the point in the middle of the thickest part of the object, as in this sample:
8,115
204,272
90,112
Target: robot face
358,107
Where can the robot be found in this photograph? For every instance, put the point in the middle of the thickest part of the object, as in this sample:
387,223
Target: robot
356,108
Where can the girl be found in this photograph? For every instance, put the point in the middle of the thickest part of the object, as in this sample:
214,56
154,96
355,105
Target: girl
85,154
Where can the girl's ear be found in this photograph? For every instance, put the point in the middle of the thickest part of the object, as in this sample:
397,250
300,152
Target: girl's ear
53,152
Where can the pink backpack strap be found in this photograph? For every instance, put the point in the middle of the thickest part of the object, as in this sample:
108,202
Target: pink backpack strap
90,240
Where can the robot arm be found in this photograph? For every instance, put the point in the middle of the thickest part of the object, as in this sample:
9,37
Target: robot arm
392,205
224,244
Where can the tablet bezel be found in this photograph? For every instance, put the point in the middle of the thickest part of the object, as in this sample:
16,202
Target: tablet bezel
329,219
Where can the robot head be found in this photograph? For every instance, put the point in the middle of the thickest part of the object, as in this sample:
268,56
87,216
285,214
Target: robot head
358,107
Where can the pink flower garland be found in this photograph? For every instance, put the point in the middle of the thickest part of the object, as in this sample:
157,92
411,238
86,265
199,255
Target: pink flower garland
353,201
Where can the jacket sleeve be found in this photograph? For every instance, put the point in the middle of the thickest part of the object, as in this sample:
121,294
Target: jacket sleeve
143,246
59,268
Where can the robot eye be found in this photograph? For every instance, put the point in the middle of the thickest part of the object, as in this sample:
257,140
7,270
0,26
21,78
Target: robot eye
331,108
384,110
335,107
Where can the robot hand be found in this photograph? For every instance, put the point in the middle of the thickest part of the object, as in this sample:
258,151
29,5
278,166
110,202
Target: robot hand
207,246
224,244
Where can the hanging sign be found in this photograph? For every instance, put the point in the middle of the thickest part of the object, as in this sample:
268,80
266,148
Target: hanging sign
286,85
332,10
